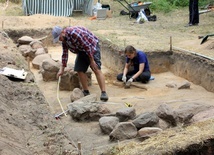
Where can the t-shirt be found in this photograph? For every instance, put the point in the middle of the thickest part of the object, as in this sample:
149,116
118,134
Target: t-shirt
139,59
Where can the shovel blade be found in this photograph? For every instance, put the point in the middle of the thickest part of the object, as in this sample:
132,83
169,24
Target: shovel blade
204,39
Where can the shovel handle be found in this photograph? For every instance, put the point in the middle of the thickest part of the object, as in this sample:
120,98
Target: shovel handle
209,35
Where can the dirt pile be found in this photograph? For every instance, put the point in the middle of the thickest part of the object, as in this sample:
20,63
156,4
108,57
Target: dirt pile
27,126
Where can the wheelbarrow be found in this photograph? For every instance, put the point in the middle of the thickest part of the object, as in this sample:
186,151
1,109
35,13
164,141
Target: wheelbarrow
135,7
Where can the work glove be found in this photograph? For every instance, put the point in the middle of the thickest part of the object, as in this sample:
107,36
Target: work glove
128,83
130,80
124,79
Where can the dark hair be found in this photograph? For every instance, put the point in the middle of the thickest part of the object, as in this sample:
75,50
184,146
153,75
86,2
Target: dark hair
130,49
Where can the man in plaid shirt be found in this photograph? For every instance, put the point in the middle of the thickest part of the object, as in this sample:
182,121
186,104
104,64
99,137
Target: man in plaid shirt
82,42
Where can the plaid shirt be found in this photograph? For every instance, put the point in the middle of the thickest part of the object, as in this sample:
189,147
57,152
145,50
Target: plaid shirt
78,39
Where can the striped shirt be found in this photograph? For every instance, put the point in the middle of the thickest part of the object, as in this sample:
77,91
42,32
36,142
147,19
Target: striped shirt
78,39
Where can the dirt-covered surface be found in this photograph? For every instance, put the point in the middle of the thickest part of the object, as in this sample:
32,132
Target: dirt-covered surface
27,109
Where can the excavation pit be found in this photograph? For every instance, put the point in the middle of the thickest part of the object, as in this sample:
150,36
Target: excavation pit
168,67
189,65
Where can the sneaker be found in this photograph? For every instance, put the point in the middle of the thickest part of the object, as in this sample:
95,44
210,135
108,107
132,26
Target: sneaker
104,96
86,92
188,25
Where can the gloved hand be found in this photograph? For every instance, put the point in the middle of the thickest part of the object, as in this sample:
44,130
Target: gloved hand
128,83
124,79
130,80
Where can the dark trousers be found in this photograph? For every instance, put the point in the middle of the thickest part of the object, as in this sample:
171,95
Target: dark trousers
193,12
144,77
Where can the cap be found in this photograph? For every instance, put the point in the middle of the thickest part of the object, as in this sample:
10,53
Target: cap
56,33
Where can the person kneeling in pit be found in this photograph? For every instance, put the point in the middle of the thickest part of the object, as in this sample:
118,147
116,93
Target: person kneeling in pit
137,60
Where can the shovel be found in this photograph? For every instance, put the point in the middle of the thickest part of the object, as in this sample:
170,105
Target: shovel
205,38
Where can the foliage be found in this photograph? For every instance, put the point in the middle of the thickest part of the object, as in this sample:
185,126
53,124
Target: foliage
168,5
13,1
16,11
161,5
16,1
181,3
13,8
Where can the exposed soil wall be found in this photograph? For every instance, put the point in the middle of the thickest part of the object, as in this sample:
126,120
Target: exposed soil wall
15,34
159,61
196,69
205,148
113,57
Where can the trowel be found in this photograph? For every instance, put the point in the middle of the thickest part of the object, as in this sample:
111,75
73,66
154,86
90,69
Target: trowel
127,85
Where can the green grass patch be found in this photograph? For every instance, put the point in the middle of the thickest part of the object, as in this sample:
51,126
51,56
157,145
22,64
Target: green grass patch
13,1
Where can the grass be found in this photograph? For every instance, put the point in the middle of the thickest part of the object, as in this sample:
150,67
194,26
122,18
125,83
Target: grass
11,9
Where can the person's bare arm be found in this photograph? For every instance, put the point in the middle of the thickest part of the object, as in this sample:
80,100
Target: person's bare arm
126,68
93,64
61,71
141,68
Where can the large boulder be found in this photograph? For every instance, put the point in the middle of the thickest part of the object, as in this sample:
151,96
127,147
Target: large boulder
107,123
87,109
38,60
147,119
123,131
76,94
24,40
49,69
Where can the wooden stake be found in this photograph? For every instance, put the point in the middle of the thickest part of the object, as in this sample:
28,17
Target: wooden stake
124,42
69,22
170,43
2,25
79,148
118,142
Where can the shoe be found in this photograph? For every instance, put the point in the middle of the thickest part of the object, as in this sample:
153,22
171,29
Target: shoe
104,96
190,24
86,92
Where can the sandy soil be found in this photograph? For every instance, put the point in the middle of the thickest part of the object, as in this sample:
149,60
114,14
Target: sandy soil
150,36
141,99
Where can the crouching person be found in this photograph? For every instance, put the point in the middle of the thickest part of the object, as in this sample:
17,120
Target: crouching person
136,67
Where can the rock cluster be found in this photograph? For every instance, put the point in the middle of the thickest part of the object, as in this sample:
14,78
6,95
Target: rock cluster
35,51
125,124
